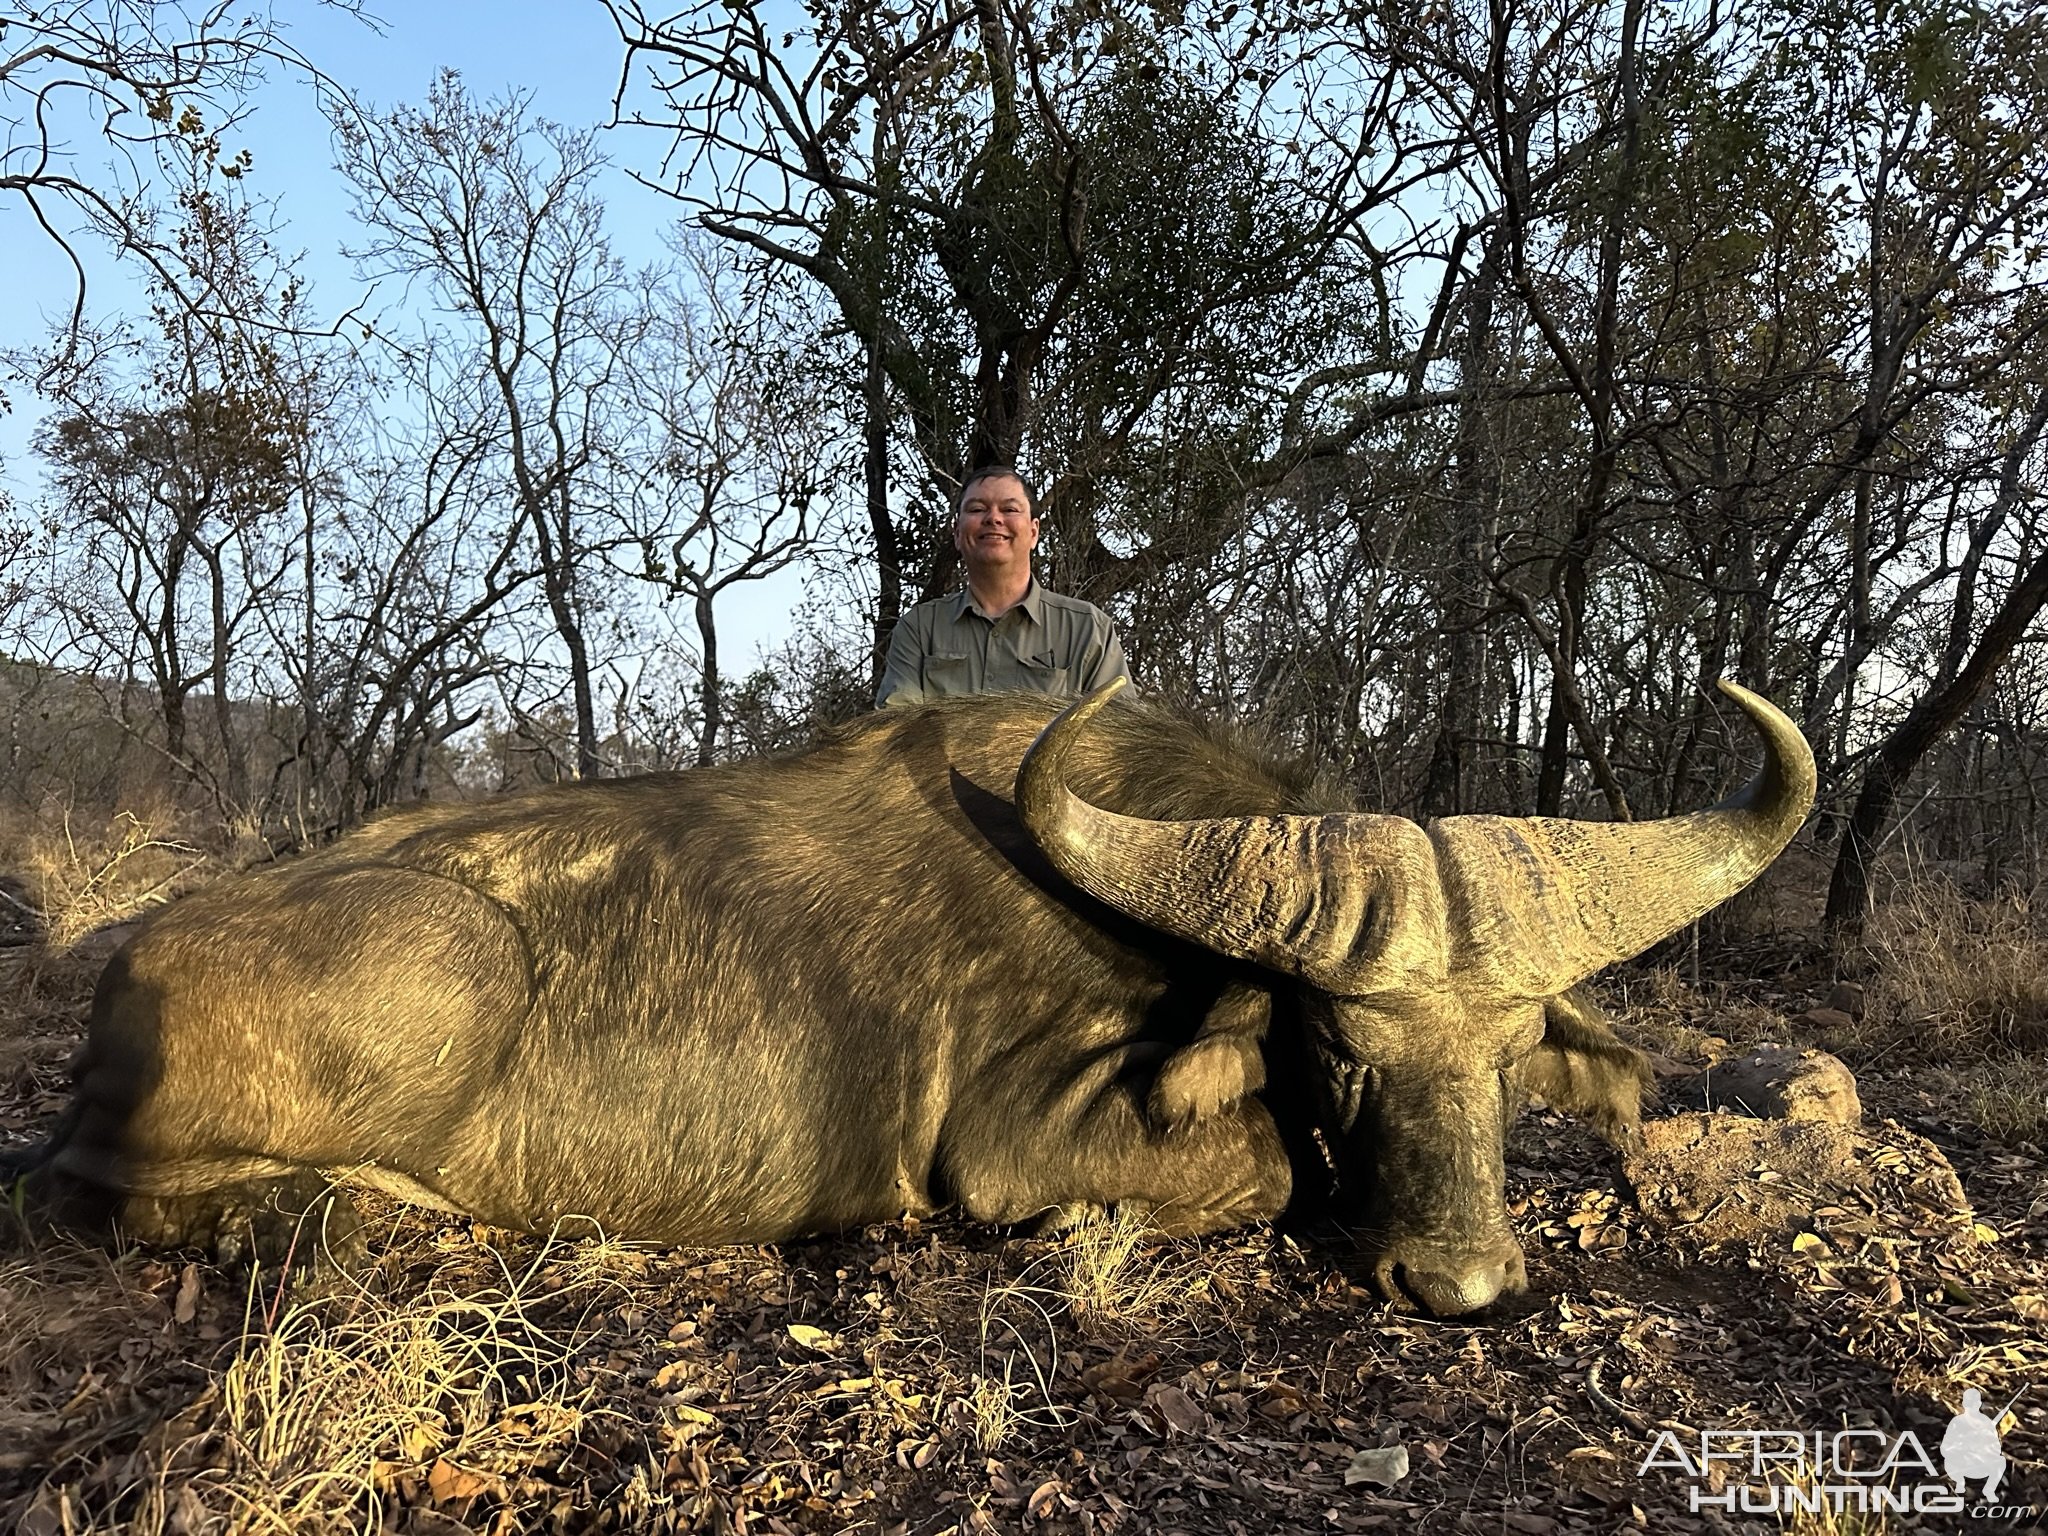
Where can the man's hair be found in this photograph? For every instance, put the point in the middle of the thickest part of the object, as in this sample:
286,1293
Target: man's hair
995,472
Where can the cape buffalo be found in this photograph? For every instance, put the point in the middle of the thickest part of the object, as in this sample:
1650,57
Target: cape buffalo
894,973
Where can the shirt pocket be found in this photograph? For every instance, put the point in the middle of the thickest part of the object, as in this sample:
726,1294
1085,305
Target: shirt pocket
946,676
1037,674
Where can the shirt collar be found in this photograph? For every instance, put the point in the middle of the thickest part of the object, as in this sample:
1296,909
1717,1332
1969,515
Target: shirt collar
1033,603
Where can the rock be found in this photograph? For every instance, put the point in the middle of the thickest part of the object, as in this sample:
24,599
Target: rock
1846,998
1730,1178
1774,1082
1772,1138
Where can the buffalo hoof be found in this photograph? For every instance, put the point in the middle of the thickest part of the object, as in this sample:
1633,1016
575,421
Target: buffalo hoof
1204,1079
1450,1284
299,1223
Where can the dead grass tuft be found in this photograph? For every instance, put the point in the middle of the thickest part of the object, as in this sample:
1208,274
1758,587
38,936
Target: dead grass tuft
1120,1278
326,1415
329,1418
1109,1280
85,877
1957,975
1005,1390
996,1409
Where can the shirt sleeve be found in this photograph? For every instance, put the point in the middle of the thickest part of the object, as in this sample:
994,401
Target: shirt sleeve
1108,656
902,674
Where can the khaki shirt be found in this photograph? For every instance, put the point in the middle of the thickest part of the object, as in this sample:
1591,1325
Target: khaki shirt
1046,644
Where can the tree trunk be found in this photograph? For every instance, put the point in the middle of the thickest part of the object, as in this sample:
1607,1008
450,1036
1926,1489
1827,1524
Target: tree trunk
1553,753
558,583
1449,789
875,471
589,764
1932,718
1567,705
709,692
234,759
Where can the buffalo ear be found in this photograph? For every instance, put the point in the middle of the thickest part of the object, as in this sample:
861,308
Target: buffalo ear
1582,1069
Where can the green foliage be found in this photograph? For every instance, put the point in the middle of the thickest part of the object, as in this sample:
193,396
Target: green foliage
1081,239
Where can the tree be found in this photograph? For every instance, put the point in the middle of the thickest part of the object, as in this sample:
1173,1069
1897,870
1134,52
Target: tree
730,459
174,483
1968,663
500,215
1733,320
145,79
1098,241
410,582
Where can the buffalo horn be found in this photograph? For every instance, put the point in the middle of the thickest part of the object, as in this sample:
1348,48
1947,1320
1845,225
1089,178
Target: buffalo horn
1357,903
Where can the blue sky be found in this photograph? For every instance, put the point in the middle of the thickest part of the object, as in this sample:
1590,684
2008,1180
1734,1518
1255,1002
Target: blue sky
566,56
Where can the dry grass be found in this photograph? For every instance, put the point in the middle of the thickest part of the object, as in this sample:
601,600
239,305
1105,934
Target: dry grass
1958,975
2003,1093
1955,994
65,1313
325,1415
1119,1278
83,876
997,1409
1958,990
1108,1280
1667,1013
1002,1388
316,1418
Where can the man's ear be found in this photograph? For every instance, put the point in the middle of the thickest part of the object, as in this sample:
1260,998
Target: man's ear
1582,1069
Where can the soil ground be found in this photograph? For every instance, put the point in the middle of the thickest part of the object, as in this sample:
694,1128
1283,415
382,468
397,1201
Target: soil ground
939,1377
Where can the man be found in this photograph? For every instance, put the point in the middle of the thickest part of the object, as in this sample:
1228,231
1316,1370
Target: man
1002,630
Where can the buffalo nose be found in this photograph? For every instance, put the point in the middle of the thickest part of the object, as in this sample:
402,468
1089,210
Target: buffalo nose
1451,1285
1450,1294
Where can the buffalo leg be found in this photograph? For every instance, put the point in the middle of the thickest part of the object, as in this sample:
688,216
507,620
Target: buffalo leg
1083,1151
346,1018
1220,1066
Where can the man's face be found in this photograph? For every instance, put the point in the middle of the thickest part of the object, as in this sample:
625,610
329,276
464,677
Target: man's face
995,528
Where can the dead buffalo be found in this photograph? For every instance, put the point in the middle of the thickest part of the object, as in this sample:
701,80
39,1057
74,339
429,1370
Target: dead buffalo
896,973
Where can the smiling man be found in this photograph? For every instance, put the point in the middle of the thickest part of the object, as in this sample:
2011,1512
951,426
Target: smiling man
1002,630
